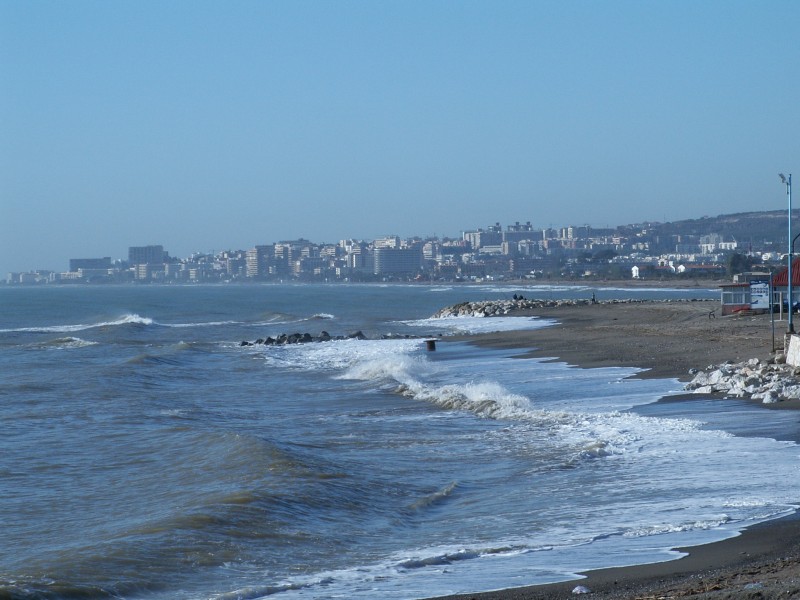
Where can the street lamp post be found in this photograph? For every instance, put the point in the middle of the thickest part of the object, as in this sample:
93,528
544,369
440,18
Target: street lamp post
788,183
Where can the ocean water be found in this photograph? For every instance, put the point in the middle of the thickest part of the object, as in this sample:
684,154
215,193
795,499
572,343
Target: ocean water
146,454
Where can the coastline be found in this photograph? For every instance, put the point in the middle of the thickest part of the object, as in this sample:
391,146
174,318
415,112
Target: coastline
762,562
665,340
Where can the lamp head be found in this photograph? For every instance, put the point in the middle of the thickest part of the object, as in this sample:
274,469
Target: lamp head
783,178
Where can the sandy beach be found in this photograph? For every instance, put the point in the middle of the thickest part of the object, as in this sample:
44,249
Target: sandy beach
668,339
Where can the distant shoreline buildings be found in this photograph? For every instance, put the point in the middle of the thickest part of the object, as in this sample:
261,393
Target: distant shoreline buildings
518,251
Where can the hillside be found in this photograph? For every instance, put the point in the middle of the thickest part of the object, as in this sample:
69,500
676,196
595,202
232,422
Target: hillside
764,230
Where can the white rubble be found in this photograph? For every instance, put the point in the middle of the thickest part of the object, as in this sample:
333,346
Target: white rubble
768,382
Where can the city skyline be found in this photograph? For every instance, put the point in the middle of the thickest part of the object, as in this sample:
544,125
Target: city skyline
205,126
469,236
706,246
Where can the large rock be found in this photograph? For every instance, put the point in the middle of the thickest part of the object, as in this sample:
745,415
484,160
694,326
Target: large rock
300,338
753,379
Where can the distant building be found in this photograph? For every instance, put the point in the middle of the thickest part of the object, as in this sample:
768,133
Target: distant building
361,259
396,260
76,264
292,250
29,277
432,250
147,255
391,241
709,244
522,233
94,274
257,261
477,239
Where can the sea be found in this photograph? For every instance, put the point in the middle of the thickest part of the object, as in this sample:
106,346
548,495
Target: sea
147,454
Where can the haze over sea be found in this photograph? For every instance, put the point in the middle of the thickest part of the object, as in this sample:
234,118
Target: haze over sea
147,454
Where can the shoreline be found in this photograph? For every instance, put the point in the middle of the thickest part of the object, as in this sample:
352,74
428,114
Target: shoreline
761,562
665,340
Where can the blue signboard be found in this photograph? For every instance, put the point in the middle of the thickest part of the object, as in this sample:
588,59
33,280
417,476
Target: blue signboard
759,295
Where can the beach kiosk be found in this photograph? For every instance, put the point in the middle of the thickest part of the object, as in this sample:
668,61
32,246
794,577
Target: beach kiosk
751,296
735,298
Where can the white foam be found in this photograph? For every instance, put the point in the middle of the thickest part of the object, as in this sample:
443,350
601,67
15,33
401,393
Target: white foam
123,320
323,316
579,426
657,290
580,435
546,290
66,343
404,365
476,325
202,324
678,528
340,355
485,399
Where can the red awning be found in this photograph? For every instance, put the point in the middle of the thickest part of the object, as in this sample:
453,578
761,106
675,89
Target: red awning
780,278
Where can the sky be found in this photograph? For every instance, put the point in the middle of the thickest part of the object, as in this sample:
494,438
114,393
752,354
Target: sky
211,125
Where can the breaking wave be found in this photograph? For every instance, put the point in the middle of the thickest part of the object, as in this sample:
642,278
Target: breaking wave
128,319
64,343
474,325
677,528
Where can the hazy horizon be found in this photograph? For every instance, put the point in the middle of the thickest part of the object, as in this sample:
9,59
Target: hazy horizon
208,126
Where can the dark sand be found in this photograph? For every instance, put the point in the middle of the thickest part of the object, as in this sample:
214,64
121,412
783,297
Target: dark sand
667,339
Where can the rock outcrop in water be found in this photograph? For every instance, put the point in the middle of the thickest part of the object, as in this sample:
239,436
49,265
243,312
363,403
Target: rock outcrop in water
768,382
301,338
305,338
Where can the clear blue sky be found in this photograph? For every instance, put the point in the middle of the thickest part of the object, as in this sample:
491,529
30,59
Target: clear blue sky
220,125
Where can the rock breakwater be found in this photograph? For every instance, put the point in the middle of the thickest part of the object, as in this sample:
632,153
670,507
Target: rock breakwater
768,382
499,308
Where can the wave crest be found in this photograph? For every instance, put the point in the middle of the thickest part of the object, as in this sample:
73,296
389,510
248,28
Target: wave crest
487,399
127,319
65,343
678,528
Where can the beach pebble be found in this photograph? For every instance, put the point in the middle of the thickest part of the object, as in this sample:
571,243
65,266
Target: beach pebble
581,589
754,586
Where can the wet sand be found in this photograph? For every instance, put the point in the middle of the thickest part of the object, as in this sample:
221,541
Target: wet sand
667,339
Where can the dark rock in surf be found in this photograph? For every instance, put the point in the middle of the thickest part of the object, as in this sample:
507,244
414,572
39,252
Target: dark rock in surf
303,338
